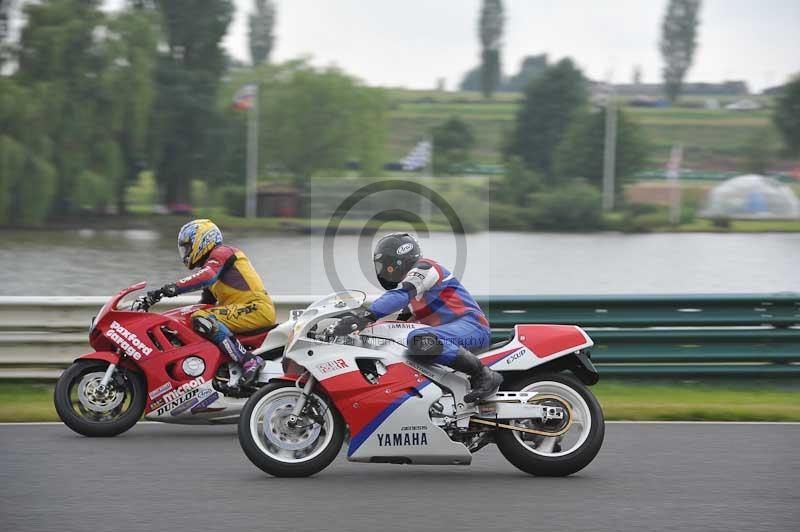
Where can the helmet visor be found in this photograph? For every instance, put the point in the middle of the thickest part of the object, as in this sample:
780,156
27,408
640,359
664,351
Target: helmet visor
184,250
388,269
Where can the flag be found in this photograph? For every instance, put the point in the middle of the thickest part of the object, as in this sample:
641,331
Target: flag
245,96
419,157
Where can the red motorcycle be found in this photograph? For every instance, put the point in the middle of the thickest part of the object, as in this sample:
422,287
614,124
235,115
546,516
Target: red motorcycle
157,365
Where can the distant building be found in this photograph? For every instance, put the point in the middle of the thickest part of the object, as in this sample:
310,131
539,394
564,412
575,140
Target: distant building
731,88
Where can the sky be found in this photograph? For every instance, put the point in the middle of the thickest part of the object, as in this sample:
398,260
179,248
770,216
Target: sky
413,43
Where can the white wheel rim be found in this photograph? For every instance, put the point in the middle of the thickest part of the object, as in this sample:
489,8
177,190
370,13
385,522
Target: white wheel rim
578,431
292,446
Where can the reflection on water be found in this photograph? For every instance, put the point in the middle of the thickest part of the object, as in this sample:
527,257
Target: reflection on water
100,262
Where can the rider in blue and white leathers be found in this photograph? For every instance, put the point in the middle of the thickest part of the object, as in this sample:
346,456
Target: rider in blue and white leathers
436,298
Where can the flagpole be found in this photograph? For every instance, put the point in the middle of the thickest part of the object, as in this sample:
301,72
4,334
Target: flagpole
251,193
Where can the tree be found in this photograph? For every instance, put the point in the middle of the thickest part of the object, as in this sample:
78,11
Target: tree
490,31
452,142
636,76
188,75
531,67
61,55
471,80
550,103
28,180
786,115
131,44
262,38
580,154
312,120
6,7
678,43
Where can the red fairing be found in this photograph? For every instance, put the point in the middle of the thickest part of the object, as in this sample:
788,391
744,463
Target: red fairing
550,340
155,345
360,402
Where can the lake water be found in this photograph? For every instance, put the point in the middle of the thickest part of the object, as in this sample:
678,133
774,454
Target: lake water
99,262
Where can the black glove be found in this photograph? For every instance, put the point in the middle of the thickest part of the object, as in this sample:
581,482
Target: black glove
169,290
153,297
351,323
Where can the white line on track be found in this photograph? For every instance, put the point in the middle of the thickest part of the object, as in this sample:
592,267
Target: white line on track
37,423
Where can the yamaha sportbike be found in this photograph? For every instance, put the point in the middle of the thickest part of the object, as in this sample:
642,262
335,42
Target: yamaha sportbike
544,419
157,365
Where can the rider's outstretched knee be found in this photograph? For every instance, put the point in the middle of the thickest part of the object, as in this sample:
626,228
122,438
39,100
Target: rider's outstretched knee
425,347
207,325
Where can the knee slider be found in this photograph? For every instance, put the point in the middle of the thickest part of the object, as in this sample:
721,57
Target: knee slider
426,345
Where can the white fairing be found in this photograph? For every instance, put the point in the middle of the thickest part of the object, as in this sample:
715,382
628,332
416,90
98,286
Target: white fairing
387,399
277,337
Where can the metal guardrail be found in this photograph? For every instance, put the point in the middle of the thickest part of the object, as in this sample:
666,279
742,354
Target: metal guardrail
750,335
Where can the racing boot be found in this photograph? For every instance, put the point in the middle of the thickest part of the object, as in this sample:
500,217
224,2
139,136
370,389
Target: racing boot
485,382
251,367
251,364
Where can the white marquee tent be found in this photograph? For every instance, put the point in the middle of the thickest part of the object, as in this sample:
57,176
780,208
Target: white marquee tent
752,196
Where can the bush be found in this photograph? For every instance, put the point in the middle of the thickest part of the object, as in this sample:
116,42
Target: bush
507,217
572,207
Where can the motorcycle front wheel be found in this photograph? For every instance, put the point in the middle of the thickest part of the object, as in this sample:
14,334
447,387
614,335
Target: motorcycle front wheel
280,449
98,412
564,454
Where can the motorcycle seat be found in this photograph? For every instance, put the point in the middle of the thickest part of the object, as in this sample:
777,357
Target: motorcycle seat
253,339
495,345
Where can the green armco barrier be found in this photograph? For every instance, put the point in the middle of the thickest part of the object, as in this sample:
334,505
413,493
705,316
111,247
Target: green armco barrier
701,310
747,335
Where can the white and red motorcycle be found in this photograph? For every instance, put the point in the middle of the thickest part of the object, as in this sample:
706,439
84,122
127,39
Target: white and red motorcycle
544,420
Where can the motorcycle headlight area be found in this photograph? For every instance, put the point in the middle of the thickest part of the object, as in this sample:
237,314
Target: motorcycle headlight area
193,366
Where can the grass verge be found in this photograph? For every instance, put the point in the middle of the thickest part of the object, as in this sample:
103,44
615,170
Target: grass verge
697,402
29,401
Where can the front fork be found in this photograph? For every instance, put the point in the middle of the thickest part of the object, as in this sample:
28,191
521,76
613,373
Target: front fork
294,417
106,377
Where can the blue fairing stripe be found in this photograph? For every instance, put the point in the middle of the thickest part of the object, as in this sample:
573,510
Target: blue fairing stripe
357,440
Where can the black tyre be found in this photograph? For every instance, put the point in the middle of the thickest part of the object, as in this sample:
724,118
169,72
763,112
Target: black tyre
90,412
567,454
284,451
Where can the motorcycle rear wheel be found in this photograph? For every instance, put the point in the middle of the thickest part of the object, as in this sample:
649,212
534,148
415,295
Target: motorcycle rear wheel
95,415
283,451
545,456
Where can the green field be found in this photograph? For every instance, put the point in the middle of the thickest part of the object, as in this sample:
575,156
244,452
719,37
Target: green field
620,400
717,139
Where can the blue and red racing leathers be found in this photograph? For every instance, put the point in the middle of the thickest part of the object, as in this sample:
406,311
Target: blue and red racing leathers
438,299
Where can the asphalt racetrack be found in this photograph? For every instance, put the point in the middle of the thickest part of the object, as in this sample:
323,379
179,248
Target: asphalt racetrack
647,477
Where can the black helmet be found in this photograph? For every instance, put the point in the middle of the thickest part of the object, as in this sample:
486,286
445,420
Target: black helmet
395,254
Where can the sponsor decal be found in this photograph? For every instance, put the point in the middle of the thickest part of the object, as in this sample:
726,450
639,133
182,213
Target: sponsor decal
402,325
128,342
420,368
183,407
167,386
204,403
183,389
405,248
193,276
402,439
332,365
188,396
514,356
